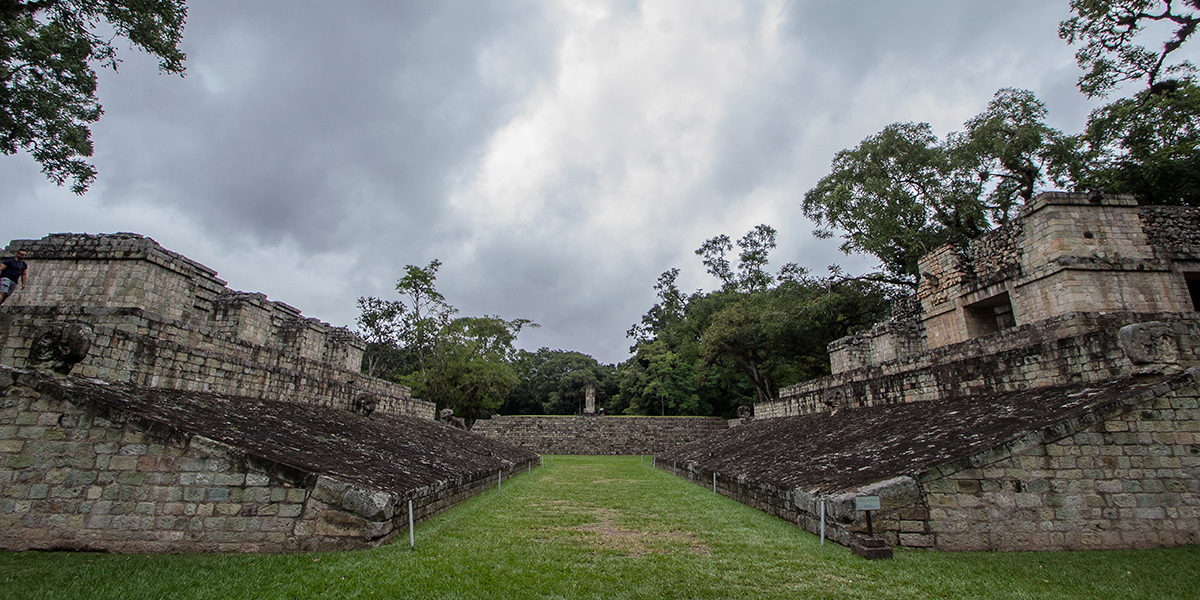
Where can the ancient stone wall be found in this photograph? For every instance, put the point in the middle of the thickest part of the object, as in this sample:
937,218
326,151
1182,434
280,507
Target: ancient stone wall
1065,253
78,474
1173,231
1067,349
160,319
894,339
1116,474
1128,481
598,435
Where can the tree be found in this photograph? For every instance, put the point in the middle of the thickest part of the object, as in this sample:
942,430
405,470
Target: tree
469,367
891,197
458,362
554,382
902,192
47,83
1146,146
428,313
380,326
660,381
780,336
1010,149
751,273
665,314
710,352
1110,56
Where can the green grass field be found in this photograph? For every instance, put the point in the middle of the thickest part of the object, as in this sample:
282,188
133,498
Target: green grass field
606,527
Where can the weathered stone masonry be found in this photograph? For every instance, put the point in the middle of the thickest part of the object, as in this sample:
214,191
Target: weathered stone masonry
92,466
598,435
1113,465
162,320
146,408
1043,397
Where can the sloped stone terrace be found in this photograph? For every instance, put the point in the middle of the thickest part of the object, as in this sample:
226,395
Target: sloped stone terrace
395,454
828,453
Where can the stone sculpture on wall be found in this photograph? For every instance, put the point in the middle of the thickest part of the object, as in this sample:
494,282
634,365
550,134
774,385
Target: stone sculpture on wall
60,346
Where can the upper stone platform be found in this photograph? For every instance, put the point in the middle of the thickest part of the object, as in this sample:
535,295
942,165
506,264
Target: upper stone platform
157,318
1037,301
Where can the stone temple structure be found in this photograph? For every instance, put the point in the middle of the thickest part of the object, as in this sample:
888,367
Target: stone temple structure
1043,394
145,407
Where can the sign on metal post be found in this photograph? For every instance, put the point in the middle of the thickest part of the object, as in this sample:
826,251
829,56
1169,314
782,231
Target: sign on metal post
867,504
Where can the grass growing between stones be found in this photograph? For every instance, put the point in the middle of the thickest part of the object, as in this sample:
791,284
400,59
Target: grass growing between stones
606,527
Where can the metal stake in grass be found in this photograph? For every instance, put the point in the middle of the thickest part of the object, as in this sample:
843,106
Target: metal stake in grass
412,538
822,521
714,483
499,480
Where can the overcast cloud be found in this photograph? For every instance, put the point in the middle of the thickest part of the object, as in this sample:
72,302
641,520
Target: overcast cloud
555,156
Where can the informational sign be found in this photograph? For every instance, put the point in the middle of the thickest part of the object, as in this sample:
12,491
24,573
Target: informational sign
866,503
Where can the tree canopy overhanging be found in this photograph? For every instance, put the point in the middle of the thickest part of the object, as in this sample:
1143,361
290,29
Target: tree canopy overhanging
48,51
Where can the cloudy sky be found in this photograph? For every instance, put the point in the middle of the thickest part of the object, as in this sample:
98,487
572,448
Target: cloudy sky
556,156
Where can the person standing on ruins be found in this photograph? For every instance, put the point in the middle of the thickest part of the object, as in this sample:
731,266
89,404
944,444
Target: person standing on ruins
14,270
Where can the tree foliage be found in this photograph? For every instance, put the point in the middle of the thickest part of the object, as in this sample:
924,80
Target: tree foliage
903,192
889,196
1111,55
1146,146
47,81
1010,153
380,326
464,363
554,382
709,352
779,336
751,274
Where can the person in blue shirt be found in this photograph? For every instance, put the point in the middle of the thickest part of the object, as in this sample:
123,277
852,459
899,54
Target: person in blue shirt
14,271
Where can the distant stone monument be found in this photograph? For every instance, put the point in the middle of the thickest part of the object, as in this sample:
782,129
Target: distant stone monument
589,402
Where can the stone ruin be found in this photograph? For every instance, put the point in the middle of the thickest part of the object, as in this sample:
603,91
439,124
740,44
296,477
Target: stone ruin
145,407
1043,393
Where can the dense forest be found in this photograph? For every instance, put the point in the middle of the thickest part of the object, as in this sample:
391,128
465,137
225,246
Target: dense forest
895,196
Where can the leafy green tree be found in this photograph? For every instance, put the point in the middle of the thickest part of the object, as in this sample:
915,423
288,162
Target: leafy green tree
463,363
660,381
666,313
1009,149
47,83
709,352
427,314
891,196
379,324
554,382
1110,55
751,274
779,337
1146,146
469,367
903,192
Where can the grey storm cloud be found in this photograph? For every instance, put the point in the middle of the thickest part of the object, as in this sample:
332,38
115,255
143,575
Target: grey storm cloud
555,156
296,116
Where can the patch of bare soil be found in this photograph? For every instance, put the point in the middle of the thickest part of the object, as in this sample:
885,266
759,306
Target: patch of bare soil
607,535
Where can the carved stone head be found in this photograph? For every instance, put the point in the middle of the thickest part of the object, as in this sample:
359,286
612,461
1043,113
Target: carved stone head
364,404
60,346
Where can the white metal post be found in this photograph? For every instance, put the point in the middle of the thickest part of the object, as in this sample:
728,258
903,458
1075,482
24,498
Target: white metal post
822,521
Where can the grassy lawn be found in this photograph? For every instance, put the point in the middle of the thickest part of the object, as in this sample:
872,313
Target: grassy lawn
606,527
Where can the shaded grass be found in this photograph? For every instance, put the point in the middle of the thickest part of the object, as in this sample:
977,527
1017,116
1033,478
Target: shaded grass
606,527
